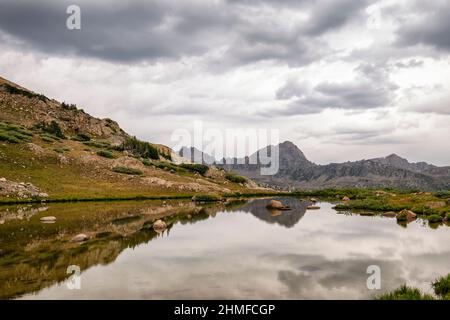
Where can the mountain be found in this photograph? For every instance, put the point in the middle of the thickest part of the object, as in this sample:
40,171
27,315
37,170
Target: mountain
55,150
296,171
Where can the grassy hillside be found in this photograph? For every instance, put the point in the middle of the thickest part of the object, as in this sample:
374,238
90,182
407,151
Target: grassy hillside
68,154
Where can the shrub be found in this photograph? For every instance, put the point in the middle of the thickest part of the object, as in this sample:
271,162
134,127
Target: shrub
405,293
447,216
207,198
14,133
126,170
14,90
98,144
69,106
442,194
105,154
8,138
435,218
235,178
140,148
194,167
442,286
52,128
82,137
61,150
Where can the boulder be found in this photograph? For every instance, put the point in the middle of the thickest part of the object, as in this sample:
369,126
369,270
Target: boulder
313,200
2,179
48,219
345,199
159,225
80,238
406,214
274,204
277,205
312,207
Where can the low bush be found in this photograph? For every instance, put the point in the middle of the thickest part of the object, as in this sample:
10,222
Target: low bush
105,154
61,150
52,128
447,216
194,167
442,286
98,144
405,293
8,137
14,133
442,194
235,178
126,170
14,90
82,137
139,148
435,218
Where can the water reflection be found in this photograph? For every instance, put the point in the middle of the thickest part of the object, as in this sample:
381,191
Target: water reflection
215,251
288,219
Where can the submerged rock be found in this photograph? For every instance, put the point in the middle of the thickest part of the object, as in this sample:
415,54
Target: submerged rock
277,205
406,215
48,219
159,225
80,238
389,214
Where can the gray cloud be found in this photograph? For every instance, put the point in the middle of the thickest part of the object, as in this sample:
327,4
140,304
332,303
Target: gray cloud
156,29
330,15
370,89
429,27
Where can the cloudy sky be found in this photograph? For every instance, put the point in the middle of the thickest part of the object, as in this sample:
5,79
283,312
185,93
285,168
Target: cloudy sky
342,79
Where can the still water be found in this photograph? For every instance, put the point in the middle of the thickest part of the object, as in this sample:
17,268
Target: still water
237,250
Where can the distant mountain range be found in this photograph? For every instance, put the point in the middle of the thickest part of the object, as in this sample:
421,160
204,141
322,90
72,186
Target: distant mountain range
296,171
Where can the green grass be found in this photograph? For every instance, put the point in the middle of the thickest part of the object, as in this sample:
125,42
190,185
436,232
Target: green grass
126,170
61,150
82,137
105,154
207,198
405,293
98,144
14,134
441,288
235,178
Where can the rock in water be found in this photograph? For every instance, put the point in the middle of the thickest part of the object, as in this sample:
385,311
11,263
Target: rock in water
274,204
389,214
312,207
159,225
409,214
80,238
48,219
313,200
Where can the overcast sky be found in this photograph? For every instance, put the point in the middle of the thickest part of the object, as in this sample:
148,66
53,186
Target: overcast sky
342,79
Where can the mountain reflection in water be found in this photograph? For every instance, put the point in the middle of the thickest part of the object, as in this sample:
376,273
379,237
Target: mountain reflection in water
226,250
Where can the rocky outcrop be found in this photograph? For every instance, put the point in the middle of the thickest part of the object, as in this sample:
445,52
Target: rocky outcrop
20,190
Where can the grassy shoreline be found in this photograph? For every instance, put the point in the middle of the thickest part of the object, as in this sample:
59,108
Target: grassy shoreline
137,198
